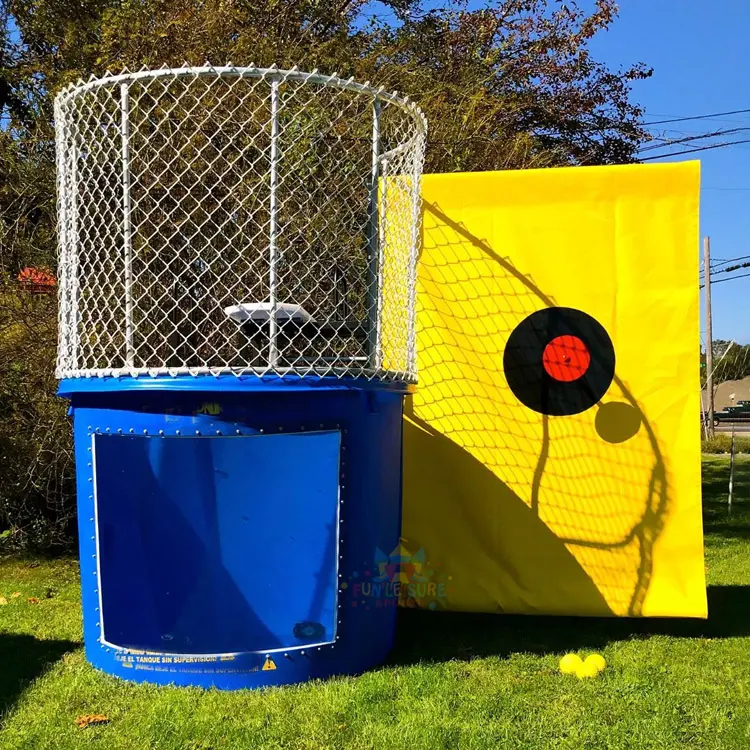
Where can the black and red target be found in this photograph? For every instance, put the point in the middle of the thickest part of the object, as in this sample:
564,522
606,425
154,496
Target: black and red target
559,361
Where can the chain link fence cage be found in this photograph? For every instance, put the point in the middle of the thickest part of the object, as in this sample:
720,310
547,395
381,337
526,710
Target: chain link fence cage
219,220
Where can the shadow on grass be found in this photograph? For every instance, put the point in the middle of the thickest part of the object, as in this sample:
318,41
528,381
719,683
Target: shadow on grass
23,658
424,636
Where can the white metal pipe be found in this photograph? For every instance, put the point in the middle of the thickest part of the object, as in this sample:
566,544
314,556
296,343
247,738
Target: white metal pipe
373,270
73,247
381,201
272,227
127,238
411,365
251,72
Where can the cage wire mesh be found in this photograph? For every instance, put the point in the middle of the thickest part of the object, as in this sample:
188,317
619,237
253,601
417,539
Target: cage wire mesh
237,220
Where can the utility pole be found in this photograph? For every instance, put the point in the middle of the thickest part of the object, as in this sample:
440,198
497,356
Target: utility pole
709,336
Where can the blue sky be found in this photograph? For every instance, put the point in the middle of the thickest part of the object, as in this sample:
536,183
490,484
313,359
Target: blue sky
698,50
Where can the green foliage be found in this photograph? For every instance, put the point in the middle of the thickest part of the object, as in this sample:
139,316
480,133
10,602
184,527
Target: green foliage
512,85
36,461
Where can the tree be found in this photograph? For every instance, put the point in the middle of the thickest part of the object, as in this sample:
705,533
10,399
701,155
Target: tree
509,86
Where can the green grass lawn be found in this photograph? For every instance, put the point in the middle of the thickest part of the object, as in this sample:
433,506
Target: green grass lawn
454,681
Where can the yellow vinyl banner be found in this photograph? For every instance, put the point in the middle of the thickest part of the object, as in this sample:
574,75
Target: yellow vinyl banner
552,448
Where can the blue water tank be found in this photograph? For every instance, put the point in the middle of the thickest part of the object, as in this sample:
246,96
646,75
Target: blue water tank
222,522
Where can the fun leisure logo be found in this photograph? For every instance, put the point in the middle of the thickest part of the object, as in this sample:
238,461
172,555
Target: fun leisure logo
399,578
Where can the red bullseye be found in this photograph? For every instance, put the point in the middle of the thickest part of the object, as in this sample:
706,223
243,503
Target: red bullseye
566,358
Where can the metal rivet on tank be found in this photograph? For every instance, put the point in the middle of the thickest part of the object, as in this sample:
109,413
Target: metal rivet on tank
286,656
91,519
98,624
119,430
197,432
177,432
161,432
131,430
261,431
88,464
238,432
107,430
96,591
96,430
90,479
94,572
88,449
145,432
218,432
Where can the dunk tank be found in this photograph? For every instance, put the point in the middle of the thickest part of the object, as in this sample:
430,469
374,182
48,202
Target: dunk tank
238,250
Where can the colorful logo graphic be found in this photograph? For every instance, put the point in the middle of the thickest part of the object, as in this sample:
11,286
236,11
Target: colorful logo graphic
399,578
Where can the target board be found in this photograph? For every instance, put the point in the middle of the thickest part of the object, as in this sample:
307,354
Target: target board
552,447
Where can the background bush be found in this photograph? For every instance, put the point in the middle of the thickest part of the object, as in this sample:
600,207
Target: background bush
722,443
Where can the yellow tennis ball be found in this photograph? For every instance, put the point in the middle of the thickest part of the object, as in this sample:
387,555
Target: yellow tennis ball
570,663
586,670
596,661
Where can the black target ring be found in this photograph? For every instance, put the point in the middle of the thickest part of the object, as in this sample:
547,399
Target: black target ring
546,333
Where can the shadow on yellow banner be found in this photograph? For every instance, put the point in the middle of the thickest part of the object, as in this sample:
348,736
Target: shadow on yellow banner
545,472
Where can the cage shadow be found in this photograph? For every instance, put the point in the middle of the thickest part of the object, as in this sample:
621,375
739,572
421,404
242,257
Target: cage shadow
436,637
550,570
507,451
23,659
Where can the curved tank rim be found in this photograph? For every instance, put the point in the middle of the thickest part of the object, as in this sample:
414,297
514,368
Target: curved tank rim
229,383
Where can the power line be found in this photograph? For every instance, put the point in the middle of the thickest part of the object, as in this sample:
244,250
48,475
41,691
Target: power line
720,262
695,150
724,261
730,268
697,117
731,278
674,141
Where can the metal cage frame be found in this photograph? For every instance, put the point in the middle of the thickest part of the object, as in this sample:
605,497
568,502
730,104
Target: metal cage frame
288,162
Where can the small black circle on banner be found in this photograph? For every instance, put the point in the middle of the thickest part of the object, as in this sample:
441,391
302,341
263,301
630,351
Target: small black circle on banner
559,361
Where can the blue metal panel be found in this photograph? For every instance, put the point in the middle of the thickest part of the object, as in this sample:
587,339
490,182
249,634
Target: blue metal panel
217,544
368,424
